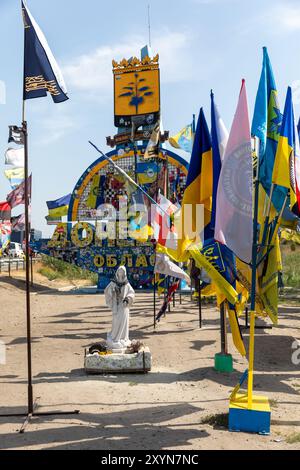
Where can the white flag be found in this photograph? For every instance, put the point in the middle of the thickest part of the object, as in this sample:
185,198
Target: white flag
165,266
15,157
234,221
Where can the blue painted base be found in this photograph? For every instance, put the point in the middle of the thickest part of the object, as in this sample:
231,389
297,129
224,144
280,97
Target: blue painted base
255,420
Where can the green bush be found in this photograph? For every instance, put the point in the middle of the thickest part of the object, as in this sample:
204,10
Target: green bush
291,268
53,268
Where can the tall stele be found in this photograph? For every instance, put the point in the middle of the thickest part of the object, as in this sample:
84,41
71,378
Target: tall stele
136,90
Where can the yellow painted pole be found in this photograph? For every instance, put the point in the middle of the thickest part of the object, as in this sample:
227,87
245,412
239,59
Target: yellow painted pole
251,359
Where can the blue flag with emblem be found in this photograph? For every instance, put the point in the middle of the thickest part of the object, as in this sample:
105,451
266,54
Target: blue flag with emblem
42,74
266,126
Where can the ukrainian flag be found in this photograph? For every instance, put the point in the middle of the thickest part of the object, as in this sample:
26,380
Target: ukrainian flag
198,187
266,126
184,139
60,207
147,172
284,165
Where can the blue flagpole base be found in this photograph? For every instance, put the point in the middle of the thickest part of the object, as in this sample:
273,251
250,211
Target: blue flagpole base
256,420
223,362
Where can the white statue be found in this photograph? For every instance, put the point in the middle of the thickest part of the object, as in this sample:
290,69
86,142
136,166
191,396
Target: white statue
119,297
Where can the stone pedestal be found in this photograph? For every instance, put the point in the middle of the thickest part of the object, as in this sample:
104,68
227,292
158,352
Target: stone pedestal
117,363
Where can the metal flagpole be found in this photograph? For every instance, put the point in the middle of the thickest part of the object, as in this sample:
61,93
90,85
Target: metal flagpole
200,300
224,344
27,260
253,281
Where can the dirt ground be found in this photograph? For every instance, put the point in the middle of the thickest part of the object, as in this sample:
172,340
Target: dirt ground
161,410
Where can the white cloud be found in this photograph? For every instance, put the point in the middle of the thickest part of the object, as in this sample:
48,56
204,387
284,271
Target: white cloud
54,124
284,16
92,72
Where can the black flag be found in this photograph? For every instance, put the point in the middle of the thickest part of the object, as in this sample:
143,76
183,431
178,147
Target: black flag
41,71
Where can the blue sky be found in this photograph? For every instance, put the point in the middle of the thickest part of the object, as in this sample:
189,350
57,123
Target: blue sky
203,44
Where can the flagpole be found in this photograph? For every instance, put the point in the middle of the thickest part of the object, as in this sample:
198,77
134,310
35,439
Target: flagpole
27,232
27,260
253,282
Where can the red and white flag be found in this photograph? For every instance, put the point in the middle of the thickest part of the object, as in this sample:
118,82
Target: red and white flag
163,223
234,221
17,196
18,223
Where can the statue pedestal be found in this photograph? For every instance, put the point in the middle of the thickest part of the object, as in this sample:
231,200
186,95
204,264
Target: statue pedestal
118,363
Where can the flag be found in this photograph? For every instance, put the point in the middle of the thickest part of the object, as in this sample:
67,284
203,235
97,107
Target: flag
96,195
5,234
147,172
15,176
213,270
268,282
5,211
234,224
296,208
138,217
266,126
17,196
42,74
16,135
60,207
237,337
219,136
152,149
15,157
198,189
163,223
18,223
284,165
184,139
172,289
164,265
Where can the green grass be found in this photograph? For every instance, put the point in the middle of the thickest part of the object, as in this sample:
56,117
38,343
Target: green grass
220,419
293,438
273,403
291,264
53,268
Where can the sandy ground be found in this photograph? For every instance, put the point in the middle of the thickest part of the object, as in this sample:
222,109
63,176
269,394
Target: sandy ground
161,410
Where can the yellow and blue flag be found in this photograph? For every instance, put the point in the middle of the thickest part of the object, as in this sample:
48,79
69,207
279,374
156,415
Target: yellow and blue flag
198,189
42,74
266,126
15,176
147,172
96,195
184,139
60,207
284,165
